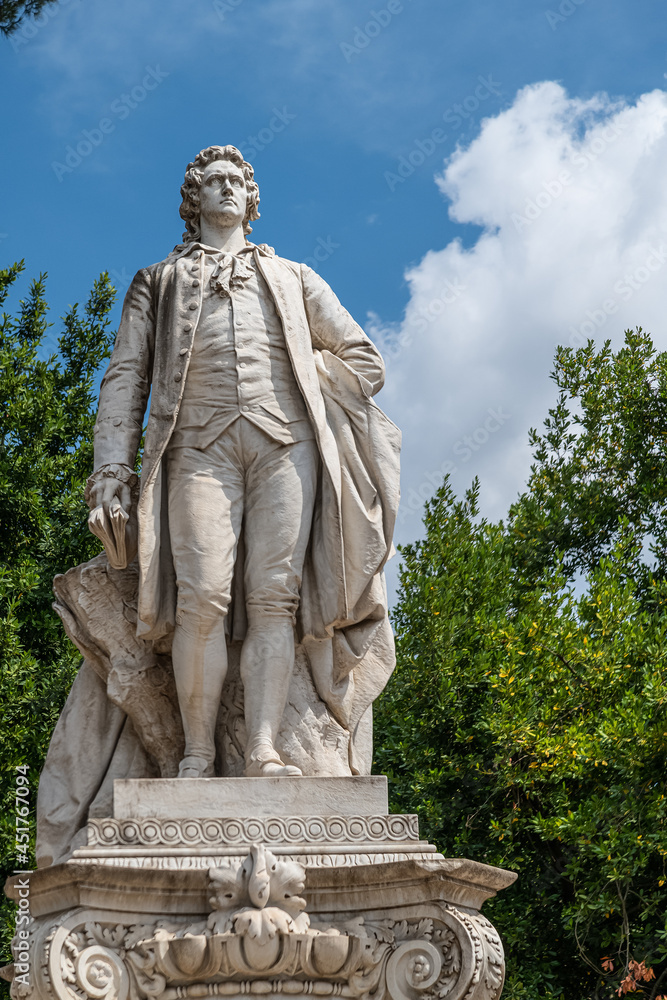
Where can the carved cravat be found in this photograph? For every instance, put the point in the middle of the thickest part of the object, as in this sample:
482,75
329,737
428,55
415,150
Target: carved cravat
230,271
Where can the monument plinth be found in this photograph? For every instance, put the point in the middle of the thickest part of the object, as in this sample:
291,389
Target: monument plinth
267,893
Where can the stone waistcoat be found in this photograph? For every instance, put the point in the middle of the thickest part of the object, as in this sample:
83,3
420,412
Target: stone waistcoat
239,365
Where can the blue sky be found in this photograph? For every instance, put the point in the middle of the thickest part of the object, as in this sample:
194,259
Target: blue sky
334,104
323,175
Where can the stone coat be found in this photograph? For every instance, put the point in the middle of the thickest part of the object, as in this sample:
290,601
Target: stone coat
342,619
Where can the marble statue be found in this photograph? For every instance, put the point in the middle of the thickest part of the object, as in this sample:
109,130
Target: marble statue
261,523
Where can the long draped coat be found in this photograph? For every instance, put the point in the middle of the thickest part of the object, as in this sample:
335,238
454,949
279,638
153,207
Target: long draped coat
342,620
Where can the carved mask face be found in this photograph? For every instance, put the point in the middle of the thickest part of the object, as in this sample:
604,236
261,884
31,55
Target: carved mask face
223,193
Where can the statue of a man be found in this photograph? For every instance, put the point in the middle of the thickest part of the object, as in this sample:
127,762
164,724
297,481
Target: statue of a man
269,477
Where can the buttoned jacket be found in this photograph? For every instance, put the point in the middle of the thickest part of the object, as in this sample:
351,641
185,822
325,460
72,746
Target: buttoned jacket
337,369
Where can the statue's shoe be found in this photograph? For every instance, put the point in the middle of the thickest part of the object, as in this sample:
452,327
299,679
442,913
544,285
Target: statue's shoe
195,767
273,769
267,764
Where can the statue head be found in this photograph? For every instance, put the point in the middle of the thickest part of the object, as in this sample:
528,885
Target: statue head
190,210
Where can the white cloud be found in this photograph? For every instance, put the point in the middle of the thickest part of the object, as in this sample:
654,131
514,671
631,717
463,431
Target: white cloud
572,201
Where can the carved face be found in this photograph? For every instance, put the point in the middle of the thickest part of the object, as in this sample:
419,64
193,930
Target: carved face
222,197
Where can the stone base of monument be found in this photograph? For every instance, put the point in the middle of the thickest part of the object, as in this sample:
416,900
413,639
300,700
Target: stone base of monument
314,890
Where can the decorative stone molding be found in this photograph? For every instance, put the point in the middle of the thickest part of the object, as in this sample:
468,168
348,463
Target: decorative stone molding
261,938
242,832
396,959
312,841
260,880
172,859
455,958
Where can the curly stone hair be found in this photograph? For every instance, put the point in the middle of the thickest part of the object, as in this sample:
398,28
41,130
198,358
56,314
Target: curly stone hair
190,211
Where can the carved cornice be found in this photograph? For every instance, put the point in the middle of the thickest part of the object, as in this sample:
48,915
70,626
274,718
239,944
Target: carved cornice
167,860
262,937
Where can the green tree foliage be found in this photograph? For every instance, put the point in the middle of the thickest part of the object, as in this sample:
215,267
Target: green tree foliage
47,411
526,722
14,12
603,452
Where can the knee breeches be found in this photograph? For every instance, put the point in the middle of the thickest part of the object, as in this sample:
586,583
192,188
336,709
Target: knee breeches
243,481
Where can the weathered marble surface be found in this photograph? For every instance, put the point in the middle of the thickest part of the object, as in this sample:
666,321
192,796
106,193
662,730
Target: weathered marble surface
122,719
237,622
229,798
241,650
265,925
164,908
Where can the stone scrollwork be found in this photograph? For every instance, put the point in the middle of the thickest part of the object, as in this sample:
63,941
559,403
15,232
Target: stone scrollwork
91,963
490,964
259,938
456,956
473,960
412,968
101,974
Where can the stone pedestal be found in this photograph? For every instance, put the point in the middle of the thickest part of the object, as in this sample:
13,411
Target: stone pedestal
315,889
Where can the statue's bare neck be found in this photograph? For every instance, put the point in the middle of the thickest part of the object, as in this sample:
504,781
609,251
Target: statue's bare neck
231,240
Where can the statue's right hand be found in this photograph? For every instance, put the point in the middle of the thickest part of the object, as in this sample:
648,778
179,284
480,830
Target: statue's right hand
109,495
110,492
